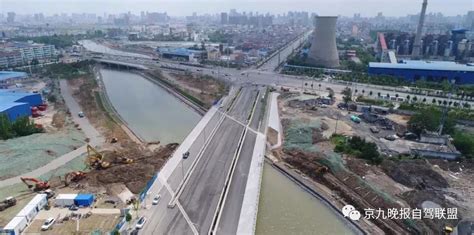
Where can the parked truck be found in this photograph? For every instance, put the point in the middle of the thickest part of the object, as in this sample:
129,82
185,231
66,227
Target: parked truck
7,202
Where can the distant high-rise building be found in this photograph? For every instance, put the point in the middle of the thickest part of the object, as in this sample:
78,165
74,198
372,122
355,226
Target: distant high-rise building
470,20
224,18
11,17
323,51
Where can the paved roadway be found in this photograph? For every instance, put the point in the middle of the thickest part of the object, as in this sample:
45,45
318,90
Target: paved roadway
229,218
202,192
89,131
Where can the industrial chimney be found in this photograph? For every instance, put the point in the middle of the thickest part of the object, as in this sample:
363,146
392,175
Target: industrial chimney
323,51
417,43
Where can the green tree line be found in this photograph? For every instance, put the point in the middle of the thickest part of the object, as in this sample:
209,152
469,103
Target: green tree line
22,126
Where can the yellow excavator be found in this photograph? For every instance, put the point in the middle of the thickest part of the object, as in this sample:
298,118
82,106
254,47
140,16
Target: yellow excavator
95,159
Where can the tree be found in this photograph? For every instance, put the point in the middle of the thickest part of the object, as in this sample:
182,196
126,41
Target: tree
429,119
363,91
424,100
5,127
128,217
415,98
396,95
464,143
370,93
408,97
433,101
347,95
379,94
466,105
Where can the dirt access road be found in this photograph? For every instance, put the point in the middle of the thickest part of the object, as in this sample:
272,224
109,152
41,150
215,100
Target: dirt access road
87,128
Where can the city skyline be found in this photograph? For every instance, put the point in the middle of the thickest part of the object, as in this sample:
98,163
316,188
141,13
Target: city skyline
188,7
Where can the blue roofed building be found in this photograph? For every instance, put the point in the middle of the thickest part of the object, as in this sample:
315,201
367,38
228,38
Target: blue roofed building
18,104
32,99
181,54
432,71
14,110
9,78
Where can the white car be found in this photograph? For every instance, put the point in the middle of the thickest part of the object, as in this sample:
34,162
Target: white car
156,199
48,223
140,222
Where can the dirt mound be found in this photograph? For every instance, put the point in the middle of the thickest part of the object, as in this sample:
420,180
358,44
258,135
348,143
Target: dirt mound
454,166
414,173
318,136
306,162
416,197
134,175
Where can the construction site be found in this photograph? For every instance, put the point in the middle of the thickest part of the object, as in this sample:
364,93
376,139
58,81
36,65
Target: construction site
116,172
314,125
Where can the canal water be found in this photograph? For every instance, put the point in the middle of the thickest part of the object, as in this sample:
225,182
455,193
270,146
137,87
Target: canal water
285,208
149,110
95,47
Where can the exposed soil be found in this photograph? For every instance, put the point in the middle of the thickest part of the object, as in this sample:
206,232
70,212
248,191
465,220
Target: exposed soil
85,91
205,88
134,175
414,173
393,184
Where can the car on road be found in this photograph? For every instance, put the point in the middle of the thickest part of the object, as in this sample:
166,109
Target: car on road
80,114
374,129
48,223
140,222
156,199
391,137
355,119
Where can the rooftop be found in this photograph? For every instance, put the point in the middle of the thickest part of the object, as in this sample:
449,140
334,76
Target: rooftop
4,75
7,105
425,65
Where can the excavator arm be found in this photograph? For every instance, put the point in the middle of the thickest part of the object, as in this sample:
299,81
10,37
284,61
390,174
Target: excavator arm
37,184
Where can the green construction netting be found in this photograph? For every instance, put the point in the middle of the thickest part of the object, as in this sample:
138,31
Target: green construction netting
24,154
299,136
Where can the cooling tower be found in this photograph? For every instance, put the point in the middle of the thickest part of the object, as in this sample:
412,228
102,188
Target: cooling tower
323,51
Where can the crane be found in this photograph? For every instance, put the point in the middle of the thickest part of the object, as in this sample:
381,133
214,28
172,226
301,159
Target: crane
37,184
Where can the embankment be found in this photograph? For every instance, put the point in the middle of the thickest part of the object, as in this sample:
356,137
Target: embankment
188,99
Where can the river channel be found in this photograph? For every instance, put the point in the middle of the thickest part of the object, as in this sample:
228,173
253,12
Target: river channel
149,110
285,208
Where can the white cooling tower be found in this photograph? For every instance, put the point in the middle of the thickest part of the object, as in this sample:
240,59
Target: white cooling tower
323,51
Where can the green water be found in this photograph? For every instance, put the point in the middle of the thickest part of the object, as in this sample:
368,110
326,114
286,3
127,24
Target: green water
285,208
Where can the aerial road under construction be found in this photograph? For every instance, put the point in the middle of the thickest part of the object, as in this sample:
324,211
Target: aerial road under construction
204,194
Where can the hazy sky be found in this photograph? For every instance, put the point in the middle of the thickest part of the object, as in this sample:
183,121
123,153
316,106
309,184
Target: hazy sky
186,7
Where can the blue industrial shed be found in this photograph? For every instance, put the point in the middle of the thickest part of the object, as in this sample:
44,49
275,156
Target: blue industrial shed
18,104
15,110
84,200
434,71
33,99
